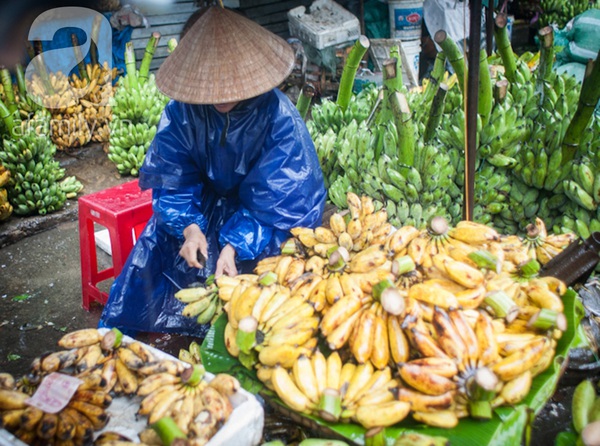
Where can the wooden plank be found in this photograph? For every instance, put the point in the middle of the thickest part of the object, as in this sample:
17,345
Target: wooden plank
245,4
270,9
272,18
169,19
172,9
156,63
281,29
164,30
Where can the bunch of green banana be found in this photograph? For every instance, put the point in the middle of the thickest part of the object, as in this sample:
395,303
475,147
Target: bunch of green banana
137,105
585,416
492,188
559,12
5,206
201,302
191,355
328,115
34,185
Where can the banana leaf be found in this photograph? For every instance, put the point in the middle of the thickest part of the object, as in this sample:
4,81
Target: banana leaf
509,425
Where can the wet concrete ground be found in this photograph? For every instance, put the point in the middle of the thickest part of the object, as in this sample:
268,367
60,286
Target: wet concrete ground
40,288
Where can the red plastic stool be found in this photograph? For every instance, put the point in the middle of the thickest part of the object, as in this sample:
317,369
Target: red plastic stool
124,210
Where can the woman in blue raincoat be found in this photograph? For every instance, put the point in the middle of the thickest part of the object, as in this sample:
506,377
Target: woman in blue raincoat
232,169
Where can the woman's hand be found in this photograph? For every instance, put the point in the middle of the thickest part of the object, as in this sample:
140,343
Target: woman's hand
195,241
226,262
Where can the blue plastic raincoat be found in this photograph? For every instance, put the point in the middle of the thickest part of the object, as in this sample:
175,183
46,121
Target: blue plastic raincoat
245,177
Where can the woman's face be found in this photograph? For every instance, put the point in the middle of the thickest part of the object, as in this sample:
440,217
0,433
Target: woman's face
225,107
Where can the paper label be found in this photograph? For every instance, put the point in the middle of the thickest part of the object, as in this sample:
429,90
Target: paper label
55,392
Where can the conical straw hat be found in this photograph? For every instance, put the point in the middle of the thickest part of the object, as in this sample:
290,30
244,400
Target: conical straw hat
224,57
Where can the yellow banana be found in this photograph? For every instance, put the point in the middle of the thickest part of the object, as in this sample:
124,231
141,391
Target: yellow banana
325,235
350,286
516,389
345,240
66,427
473,233
162,407
339,312
346,374
420,402
471,298
400,239
242,307
445,367
283,355
126,378
446,419
97,415
517,363
295,270
315,264
334,290
460,272
296,334
337,223
361,339
281,296
334,370
12,399
379,379
354,228
129,358
486,340
230,341
305,235
361,376
386,414
289,393
150,400
399,348
433,295
317,297
319,366
217,404
338,337
467,335
47,427
428,383
380,354
80,338
354,204
448,337
304,377
539,293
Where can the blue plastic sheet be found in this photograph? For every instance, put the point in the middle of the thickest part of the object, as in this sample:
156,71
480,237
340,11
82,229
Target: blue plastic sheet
245,177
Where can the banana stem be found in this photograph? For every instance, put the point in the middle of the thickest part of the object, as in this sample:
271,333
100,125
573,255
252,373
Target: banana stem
546,36
172,44
455,57
111,340
438,226
7,118
588,99
130,67
436,112
500,305
437,72
79,57
485,104
484,259
375,437
148,55
20,75
379,287
192,376
330,405
480,410
481,386
289,247
547,319
267,278
529,269
246,334
305,99
40,66
500,89
504,47
392,301
395,54
406,128
338,259
95,36
167,430
403,265
9,93
349,72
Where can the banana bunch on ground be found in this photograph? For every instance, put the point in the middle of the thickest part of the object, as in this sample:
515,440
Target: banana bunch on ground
201,302
95,90
559,12
16,96
69,128
543,246
75,424
336,391
136,106
34,186
6,208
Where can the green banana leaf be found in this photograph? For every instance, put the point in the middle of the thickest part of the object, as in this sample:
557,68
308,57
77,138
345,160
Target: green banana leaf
509,425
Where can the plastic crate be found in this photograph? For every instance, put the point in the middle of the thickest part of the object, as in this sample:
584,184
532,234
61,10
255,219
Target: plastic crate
327,24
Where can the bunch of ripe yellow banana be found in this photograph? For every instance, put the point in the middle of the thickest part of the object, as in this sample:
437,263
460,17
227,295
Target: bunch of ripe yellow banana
337,391
197,406
96,88
201,302
543,246
460,311
5,207
73,425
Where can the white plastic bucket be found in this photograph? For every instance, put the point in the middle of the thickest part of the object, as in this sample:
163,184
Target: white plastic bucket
406,18
412,50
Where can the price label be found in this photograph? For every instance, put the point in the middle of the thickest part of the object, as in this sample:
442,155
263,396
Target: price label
54,393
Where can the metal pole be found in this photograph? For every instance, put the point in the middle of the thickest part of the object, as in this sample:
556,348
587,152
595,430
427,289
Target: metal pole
472,100
489,27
